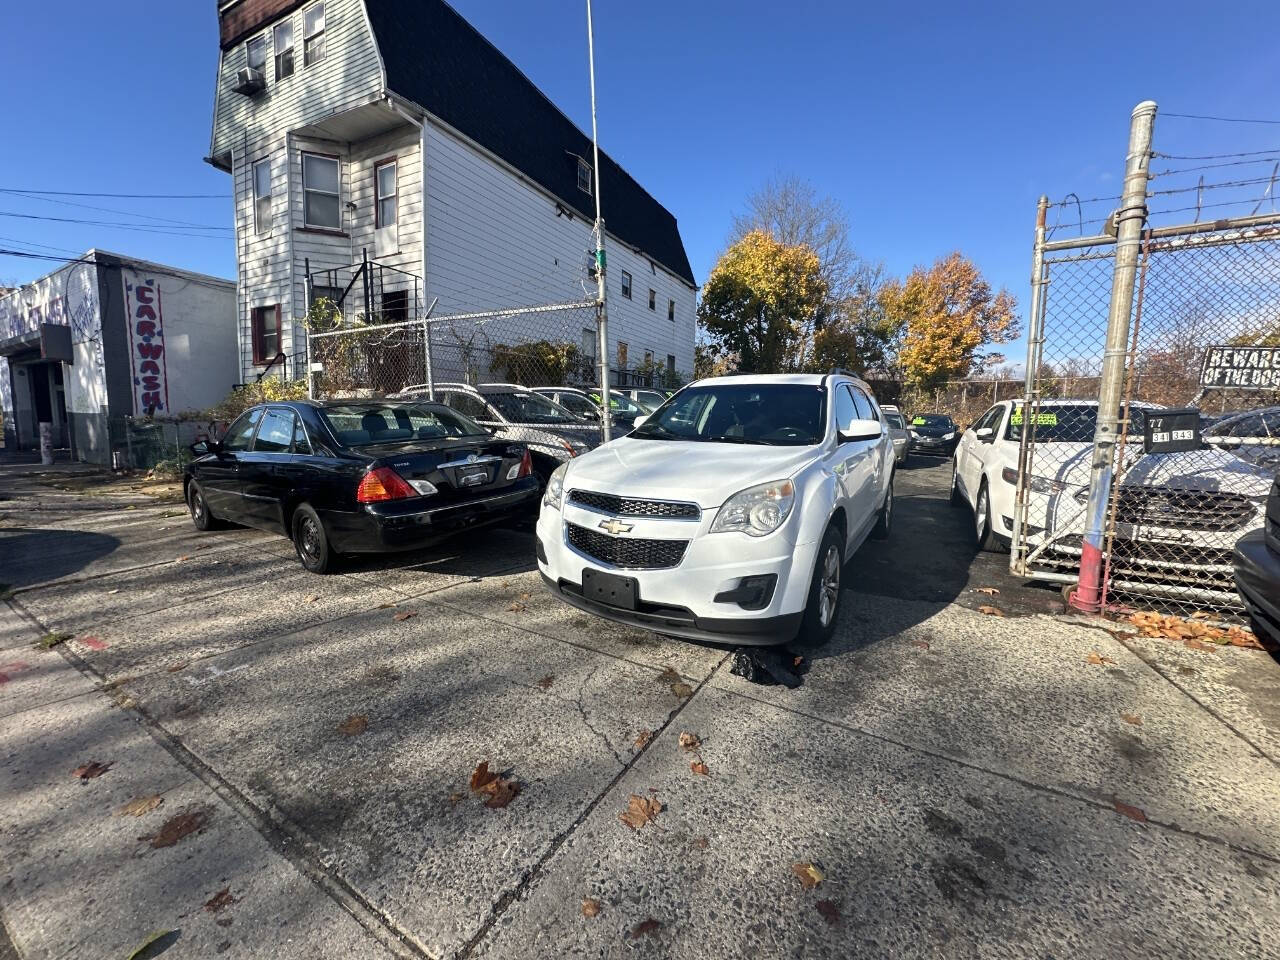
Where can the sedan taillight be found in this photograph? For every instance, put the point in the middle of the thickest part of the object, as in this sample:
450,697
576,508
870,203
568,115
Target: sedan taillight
383,484
526,465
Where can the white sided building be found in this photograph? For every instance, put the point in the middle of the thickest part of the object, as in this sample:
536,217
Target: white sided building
106,338
393,130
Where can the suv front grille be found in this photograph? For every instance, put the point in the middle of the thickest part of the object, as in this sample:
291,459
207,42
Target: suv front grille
629,507
637,554
1182,509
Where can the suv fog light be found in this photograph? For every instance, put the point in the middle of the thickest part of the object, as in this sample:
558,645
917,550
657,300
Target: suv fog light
751,593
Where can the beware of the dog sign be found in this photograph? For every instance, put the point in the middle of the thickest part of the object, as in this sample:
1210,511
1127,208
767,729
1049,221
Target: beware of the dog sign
1241,368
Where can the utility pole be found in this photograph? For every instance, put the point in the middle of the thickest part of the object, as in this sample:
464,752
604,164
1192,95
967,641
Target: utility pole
1131,218
602,310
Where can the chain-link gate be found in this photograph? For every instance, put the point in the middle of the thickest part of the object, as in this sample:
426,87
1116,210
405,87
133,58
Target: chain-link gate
1173,518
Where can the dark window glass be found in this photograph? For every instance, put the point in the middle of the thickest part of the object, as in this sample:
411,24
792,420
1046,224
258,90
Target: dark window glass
671,310
529,408
266,334
653,299
284,49
862,404
770,414
468,406
241,432
626,284
845,407
313,46
395,306
1066,423
276,433
321,188
256,52
301,443
361,424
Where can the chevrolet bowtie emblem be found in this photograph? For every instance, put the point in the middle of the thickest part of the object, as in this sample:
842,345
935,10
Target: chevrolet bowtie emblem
616,527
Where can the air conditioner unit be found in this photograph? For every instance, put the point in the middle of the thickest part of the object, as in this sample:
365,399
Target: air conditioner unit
250,81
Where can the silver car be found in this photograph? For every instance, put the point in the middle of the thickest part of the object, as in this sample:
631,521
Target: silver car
898,433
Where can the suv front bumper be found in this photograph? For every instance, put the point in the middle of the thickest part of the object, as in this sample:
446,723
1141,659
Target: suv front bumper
680,600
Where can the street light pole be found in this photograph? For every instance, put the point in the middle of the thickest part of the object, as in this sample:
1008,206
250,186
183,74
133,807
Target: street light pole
602,311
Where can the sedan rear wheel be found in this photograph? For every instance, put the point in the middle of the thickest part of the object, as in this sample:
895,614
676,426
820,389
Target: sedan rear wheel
957,498
311,542
985,535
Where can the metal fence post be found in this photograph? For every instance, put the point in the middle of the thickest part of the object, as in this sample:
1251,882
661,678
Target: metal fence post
1131,218
1035,340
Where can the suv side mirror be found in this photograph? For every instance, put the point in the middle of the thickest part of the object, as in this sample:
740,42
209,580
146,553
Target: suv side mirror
986,434
860,430
638,422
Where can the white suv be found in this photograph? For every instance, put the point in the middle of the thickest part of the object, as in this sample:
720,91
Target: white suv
728,514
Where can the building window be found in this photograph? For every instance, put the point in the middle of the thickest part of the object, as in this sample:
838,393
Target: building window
584,176
622,355
671,310
671,365
653,299
256,52
313,35
626,284
395,306
321,193
283,41
266,334
384,189
319,292
262,197
648,359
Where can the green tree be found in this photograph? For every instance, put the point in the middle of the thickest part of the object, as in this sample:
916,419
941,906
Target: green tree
762,303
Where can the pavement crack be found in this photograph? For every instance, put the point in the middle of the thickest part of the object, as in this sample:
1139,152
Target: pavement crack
582,712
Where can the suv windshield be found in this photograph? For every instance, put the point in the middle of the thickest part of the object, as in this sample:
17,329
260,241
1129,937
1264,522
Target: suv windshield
576,403
362,424
782,414
1066,423
529,408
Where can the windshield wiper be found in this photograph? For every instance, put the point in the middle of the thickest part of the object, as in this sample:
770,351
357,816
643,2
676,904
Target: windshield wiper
720,438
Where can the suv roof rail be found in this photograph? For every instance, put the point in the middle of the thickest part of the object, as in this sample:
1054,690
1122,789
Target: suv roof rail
456,386
843,372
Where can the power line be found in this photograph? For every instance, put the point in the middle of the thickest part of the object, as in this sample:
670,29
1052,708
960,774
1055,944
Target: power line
1211,186
1199,116
122,196
125,264
1214,156
140,228
123,213
1273,157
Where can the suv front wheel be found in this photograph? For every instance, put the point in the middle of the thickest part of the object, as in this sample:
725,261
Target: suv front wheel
823,609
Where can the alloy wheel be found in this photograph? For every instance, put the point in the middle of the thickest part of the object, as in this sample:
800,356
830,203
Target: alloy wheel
197,507
830,587
980,513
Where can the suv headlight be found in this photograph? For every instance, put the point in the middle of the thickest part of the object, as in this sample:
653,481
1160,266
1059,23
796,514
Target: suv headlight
950,436
757,510
555,487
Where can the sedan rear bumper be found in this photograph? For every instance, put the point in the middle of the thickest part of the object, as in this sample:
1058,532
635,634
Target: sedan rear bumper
935,446
403,525
1257,571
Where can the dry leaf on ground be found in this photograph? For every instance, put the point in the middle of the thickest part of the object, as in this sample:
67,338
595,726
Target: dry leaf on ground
991,611
1197,645
689,741
1133,813
700,768
808,875
797,661
481,776
91,770
643,738
1096,659
682,690
669,675
646,928
404,615
590,908
312,598
1132,718
988,591
140,805
922,644
830,912
497,791
176,827
220,900
640,810
516,608
354,725
546,682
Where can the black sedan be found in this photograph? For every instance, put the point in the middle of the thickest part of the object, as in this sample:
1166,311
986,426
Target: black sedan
933,433
358,476
1257,567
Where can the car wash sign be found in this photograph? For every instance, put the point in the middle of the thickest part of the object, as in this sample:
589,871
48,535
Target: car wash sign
146,346
1241,368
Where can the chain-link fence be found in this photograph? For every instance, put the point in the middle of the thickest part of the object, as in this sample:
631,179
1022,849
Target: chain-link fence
160,445
1185,486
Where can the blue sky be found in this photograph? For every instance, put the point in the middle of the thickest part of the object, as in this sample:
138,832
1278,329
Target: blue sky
936,125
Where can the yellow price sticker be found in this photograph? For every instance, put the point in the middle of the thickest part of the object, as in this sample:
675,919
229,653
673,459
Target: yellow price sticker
1042,419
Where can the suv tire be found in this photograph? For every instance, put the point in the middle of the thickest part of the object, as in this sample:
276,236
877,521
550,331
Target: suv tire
984,532
957,498
822,611
884,519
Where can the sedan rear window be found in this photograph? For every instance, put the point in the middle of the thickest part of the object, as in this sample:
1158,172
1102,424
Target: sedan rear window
362,424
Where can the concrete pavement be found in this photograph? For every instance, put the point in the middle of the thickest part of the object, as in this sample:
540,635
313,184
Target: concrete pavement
956,778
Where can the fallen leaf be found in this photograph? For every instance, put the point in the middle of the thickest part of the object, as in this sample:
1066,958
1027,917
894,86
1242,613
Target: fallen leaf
640,810
797,661
1133,813
988,591
499,793
176,827
682,690
808,875
516,608
590,908
220,900
830,912
51,640
991,611
525,596
385,606
143,950
700,768
646,928
689,741
311,599
140,806
1132,718
643,738
922,644
126,703
91,770
182,559
1202,615
1096,659
546,682
354,725
404,615
1197,645
481,777
669,675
